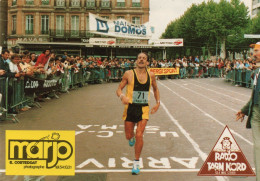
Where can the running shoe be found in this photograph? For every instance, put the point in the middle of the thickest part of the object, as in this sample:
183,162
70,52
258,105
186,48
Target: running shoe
132,141
136,168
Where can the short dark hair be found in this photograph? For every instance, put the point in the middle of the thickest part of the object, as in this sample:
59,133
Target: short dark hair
15,56
148,59
3,52
46,50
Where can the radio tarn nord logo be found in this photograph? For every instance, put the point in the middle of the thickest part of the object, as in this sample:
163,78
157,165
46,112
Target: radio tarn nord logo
48,148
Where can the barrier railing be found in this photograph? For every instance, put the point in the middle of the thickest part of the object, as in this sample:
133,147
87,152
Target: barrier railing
240,77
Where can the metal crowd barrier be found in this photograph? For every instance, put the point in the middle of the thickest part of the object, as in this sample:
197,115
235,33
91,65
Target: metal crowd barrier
240,77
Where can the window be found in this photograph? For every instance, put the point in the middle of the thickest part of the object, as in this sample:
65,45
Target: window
60,3
59,25
29,2
120,3
258,1
13,24
136,20
105,3
74,25
136,3
87,23
45,25
29,24
45,2
120,17
14,2
90,3
75,3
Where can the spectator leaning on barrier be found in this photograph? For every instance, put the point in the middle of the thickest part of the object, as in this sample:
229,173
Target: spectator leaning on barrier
43,58
252,110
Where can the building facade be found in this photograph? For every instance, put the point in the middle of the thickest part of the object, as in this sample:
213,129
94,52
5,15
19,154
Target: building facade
63,25
3,23
255,7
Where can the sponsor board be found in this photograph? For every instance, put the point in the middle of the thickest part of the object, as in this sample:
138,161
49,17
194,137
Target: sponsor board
226,159
40,152
118,28
164,71
251,36
32,85
102,41
167,42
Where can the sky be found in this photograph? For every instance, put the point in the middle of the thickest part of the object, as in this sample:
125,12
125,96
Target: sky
162,12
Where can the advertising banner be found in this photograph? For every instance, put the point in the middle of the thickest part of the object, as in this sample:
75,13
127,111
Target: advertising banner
118,28
167,42
32,85
102,41
165,71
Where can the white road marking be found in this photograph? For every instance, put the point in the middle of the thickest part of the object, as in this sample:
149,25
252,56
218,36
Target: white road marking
164,133
202,155
96,125
208,115
235,110
142,170
223,89
219,93
119,131
78,132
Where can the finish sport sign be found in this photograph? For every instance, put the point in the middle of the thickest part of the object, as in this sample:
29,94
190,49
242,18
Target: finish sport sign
165,71
118,28
226,159
40,152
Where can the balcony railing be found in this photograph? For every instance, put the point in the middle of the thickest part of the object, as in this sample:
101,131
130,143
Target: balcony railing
28,32
70,34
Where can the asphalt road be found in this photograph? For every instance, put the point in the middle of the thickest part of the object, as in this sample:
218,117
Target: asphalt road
177,140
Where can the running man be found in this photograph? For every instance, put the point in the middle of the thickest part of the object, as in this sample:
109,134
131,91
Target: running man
136,103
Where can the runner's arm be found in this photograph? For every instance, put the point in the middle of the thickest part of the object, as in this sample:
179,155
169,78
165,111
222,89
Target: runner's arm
156,93
121,86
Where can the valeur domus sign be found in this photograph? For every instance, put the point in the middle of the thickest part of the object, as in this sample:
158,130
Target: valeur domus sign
118,28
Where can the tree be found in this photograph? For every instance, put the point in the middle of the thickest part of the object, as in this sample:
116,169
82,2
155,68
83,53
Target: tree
208,23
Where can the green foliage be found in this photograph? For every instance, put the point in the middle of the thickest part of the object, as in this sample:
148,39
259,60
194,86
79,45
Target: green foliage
206,24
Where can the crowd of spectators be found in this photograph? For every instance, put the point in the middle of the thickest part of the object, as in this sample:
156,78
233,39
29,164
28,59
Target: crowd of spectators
48,65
